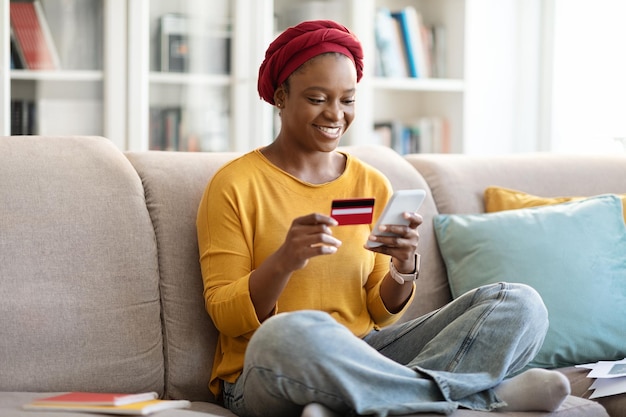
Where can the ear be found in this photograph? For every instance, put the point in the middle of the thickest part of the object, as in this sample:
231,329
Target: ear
279,96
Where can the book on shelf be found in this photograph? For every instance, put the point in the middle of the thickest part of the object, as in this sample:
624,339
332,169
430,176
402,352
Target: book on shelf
186,45
390,47
16,59
432,135
438,52
166,129
416,48
96,398
391,134
169,130
408,47
33,41
178,128
424,135
142,408
23,117
173,43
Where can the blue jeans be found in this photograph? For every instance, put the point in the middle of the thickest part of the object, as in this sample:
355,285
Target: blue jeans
447,359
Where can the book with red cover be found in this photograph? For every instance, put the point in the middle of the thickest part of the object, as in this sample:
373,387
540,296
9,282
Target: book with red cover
32,36
96,398
142,408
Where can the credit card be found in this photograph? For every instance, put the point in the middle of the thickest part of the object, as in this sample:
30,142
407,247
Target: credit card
353,211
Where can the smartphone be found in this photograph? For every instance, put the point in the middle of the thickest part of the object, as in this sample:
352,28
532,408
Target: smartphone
401,201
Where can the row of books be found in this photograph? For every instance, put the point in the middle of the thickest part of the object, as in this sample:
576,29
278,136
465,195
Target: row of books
174,128
105,403
184,44
23,117
425,135
407,47
191,45
32,46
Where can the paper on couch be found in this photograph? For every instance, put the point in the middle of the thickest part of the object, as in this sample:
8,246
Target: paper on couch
610,377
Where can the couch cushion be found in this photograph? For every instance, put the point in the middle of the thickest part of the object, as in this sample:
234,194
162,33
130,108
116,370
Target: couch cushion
573,254
174,183
78,270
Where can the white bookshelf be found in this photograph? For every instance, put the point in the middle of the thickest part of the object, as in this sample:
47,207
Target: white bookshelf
113,98
71,75
110,92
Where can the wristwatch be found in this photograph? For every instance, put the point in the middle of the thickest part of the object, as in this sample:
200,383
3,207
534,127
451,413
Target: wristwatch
402,278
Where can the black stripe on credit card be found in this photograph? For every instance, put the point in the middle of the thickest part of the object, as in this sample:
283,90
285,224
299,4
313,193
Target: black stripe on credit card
353,211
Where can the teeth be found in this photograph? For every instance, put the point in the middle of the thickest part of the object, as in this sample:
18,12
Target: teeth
331,130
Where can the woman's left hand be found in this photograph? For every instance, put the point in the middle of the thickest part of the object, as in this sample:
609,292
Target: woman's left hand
403,245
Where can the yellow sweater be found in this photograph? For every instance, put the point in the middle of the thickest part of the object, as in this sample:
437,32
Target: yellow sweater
244,216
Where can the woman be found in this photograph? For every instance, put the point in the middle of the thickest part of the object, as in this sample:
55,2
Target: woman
303,308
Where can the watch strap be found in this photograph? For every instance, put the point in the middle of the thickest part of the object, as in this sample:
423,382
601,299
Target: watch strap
401,278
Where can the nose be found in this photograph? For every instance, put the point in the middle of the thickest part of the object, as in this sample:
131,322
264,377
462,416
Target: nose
334,110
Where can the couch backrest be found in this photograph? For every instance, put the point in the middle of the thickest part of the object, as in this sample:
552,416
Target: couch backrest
174,183
458,182
79,277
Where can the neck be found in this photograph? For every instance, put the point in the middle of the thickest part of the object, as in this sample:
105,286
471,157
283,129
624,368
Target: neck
315,167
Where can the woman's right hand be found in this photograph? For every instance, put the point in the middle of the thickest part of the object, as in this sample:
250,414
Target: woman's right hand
307,237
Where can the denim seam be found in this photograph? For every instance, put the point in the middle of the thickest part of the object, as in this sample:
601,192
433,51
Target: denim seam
401,335
469,339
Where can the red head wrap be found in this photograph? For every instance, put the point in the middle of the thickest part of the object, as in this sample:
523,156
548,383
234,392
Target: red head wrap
298,44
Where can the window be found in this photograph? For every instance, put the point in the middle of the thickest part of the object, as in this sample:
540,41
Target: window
588,89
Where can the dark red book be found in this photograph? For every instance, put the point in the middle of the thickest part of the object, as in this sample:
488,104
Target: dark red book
32,36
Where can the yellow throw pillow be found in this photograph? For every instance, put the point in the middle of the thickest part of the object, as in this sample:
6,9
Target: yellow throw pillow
500,199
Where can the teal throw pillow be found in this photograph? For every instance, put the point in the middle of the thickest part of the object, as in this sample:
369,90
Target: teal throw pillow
573,254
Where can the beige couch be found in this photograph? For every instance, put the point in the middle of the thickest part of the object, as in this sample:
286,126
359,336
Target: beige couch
100,285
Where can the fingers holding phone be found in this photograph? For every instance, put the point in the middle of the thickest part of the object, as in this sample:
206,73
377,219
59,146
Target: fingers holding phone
399,241
399,215
395,233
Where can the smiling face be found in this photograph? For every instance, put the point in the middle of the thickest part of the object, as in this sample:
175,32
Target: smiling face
317,103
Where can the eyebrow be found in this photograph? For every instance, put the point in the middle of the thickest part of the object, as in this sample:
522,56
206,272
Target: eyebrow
323,89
